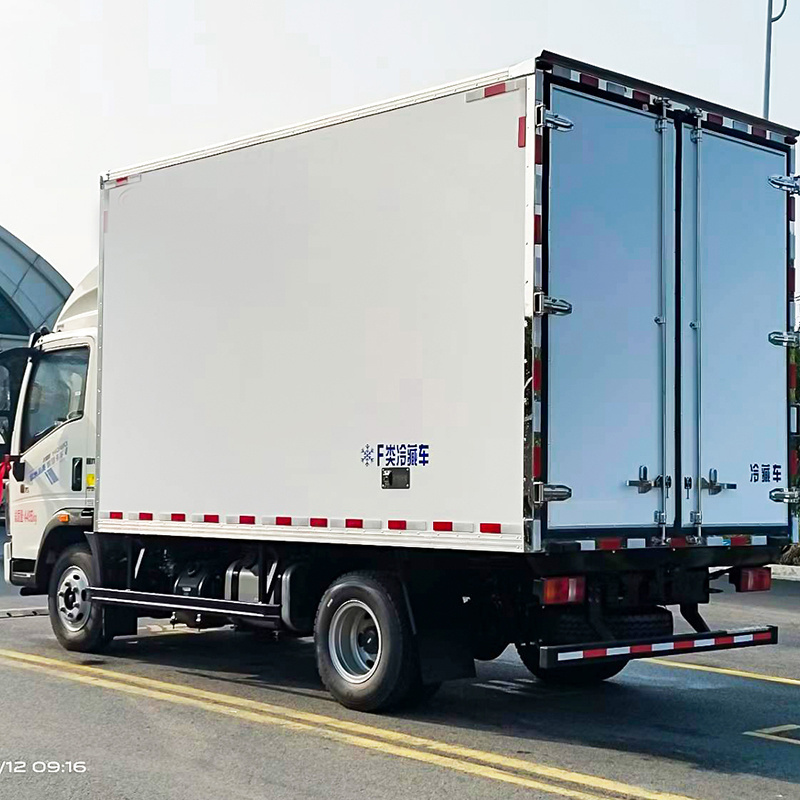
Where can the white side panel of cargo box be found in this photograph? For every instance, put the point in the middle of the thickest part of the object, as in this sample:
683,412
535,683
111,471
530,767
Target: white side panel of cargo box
276,318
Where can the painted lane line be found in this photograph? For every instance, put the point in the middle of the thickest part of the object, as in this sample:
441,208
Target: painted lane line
735,673
17,613
773,734
494,759
458,765
777,729
503,689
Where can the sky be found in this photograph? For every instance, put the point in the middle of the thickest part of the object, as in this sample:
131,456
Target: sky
93,85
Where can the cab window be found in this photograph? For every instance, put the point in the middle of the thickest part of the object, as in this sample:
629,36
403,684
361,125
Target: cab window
56,393
5,404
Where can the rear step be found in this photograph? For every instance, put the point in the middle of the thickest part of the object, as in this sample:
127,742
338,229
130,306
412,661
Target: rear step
565,655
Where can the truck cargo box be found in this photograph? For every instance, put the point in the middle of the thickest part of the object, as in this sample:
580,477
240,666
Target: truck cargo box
508,314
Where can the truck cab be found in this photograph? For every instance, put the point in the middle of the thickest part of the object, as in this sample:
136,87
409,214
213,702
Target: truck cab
49,427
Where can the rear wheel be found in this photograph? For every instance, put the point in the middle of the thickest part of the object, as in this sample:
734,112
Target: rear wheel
76,621
366,654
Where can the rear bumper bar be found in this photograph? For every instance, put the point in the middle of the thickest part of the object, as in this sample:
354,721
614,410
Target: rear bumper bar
570,654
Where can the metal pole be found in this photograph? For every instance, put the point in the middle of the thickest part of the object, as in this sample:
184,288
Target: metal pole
768,62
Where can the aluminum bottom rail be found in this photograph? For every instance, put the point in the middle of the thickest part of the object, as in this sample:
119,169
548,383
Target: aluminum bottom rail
209,605
568,654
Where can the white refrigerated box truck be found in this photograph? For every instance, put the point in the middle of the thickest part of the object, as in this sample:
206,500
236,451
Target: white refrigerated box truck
510,361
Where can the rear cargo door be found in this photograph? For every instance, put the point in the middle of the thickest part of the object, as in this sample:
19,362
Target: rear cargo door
609,413
733,289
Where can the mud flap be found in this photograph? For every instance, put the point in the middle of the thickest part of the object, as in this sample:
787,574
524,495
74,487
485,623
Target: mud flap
442,635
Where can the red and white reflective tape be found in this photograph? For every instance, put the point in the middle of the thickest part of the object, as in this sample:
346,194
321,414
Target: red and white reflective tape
620,543
648,99
665,647
341,523
111,183
736,541
495,89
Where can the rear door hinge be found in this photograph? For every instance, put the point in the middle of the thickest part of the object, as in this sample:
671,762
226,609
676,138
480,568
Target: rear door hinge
542,304
549,119
662,121
787,183
785,338
550,492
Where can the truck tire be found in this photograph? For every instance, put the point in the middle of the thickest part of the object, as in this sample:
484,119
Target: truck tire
366,654
76,621
572,627
580,675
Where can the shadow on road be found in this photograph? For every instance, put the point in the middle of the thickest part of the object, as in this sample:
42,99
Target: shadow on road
694,718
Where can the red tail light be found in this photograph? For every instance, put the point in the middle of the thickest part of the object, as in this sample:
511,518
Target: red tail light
752,579
557,591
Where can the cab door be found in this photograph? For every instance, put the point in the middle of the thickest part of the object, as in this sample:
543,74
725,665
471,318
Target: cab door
50,439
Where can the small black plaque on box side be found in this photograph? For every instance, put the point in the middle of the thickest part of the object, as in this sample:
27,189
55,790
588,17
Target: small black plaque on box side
395,478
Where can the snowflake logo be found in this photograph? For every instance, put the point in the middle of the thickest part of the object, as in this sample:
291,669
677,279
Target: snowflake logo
367,455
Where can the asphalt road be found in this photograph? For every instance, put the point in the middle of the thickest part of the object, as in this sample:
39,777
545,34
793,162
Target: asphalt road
222,714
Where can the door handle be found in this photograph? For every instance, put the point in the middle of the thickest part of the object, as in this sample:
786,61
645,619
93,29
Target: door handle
643,485
77,474
713,485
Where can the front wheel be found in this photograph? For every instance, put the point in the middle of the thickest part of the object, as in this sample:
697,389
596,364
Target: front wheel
578,675
76,621
366,653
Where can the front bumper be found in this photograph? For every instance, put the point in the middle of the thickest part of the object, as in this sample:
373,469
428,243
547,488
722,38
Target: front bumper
573,654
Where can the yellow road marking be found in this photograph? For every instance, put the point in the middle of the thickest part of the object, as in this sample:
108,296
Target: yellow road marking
348,738
389,741
770,733
736,673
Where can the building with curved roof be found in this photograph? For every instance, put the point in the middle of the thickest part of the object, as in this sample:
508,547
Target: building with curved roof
32,292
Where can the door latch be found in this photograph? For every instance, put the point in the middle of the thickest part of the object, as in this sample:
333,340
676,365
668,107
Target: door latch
643,484
542,304
713,485
550,492
787,183
785,338
549,119
785,495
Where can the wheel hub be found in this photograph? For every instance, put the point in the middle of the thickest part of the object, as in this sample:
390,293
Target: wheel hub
354,641
72,599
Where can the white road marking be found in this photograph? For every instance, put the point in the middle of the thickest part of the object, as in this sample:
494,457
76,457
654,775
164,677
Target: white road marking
14,613
773,734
